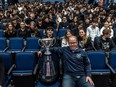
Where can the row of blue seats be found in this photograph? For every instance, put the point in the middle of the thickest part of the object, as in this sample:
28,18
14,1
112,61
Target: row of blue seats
26,64
19,44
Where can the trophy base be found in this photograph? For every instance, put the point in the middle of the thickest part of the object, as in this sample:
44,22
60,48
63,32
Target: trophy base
48,80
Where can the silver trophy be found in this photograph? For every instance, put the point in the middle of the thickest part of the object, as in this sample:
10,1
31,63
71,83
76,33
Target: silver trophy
46,43
47,71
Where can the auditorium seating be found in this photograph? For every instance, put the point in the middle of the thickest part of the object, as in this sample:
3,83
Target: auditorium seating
62,32
100,71
15,45
3,44
25,71
1,33
8,65
32,44
41,31
112,60
54,85
112,63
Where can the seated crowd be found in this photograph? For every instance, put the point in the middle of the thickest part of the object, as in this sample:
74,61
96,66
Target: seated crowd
94,26
85,21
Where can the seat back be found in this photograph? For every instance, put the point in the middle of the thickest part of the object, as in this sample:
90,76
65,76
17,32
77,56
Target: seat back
1,33
16,43
25,61
112,60
23,74
3,43
97,60
54,33
100,74
32,43
62,32
41,31
7,60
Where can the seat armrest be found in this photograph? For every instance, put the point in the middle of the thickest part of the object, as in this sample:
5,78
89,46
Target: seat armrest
25,45
5,49
23,49
35,69
111,69
100,73
11,69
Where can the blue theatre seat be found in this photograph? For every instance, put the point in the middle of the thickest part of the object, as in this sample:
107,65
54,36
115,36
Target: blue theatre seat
112,63
54,85
1,33
98,63
15,45
32,44
100,70
62,32
3,44
25,71
8,65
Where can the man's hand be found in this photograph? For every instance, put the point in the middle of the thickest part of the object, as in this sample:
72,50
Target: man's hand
88,79
0,86
39,53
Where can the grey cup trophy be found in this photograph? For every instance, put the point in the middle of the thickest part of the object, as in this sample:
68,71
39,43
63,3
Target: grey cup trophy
47,72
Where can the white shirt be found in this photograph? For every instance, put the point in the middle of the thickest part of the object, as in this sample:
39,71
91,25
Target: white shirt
101,32
92,32
64,43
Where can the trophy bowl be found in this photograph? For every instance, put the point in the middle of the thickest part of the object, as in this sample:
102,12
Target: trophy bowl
46,42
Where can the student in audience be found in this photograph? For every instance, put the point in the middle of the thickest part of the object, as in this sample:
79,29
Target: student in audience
93,30
4,24
48,33
40,24
22,31
104,42
64,41
84,42
106,26
10,31
33,30
64,24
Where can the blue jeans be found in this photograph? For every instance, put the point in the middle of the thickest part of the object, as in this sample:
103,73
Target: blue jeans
78,81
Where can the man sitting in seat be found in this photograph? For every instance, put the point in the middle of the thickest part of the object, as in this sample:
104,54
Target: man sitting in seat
104,42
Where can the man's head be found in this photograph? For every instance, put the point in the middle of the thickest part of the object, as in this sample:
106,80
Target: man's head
94,23
73,42
49,31
22,25
106,25
32,15
107,33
